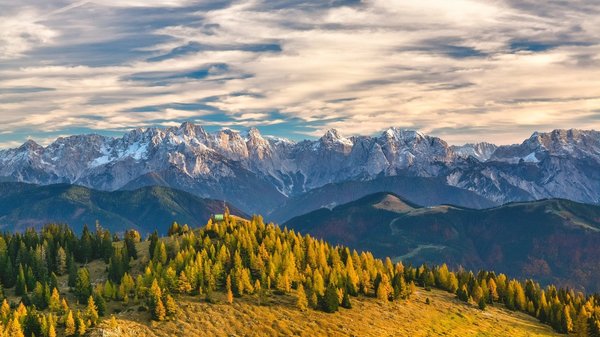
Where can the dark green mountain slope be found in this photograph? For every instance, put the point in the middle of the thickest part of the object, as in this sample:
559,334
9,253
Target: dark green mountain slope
424,191
146,209
554,241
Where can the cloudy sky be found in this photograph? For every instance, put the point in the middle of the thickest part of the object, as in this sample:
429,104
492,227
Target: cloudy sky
464,70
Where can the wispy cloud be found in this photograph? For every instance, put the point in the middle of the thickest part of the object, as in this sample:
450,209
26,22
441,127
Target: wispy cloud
492,70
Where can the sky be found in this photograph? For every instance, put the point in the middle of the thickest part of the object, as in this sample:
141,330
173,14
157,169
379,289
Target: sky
463,70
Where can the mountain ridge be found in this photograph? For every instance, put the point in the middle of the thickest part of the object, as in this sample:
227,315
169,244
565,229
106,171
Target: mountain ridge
145,209
227,164
552,240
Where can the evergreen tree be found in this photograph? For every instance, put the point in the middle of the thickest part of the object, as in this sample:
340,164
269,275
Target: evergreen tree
482,303
72,269
131,238
106,246
346,301
463,293
8,276
21,287
153,243
100,303
61,261
118,264
330,301
83,285
86,248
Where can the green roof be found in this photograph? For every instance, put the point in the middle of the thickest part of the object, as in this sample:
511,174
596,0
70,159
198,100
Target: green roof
219,217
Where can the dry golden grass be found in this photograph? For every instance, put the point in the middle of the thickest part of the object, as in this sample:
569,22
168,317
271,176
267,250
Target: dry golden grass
445,316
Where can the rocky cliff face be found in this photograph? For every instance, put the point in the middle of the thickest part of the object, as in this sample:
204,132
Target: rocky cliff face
258,173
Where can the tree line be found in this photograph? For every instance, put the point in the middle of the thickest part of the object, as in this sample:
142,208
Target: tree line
236,258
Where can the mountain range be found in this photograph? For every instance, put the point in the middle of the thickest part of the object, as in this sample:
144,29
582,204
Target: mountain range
553,241
145,209
261,174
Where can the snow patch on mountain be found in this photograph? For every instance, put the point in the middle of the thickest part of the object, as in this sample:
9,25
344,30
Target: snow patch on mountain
231,164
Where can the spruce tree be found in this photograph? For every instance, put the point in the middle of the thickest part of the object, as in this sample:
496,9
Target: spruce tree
21,287
330,301
346,301
482,303
72,269
131,238
61,261
100,303
153,243
83,285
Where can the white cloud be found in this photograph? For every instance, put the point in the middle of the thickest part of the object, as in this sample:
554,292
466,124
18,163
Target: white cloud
21,33
436,65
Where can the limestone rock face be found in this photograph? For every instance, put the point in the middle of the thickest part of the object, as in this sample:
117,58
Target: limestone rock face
258,172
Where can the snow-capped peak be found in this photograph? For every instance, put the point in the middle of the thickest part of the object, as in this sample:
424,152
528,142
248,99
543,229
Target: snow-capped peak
333,136
480,151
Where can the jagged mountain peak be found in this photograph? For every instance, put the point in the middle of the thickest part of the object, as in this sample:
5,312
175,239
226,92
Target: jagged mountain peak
253,132
480,151
30,145
333,138
562,163
332,135
403,134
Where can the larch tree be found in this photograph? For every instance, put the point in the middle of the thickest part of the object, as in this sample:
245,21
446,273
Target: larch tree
228,290
70,328
301,299
92,311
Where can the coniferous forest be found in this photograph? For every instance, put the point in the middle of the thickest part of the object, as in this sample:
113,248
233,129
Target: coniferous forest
48,289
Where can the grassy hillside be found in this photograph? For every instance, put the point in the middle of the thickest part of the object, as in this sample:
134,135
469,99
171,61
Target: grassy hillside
243,277
144,209
553,241
278,315
445,315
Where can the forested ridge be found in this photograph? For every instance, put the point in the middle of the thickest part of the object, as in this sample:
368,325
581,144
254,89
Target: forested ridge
48,288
